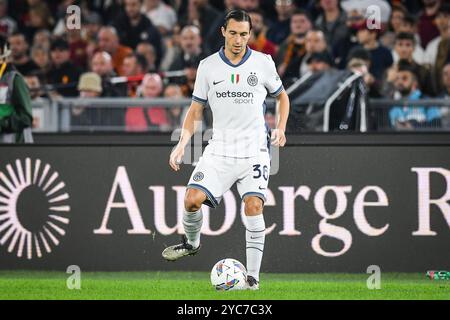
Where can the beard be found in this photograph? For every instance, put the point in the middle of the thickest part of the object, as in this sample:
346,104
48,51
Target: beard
405,92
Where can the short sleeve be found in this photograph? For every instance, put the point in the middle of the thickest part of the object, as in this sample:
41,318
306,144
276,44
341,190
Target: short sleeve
201,86
273,82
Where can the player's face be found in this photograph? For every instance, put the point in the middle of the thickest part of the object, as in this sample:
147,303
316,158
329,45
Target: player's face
236,36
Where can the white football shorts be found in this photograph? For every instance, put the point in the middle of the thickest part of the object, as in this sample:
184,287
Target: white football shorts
216,174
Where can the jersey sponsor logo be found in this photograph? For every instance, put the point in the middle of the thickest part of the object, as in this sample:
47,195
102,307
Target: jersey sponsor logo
240,97
252,79
198,176
234,94
217,82
235,78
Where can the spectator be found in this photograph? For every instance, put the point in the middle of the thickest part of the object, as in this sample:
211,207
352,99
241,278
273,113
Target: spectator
411,117
90,30
445,94
77,47
280,29
446,81
89,87
20,59
36,95
63,74
418,53
443,24
427,28
314,43
91,26
201,14
161,15
409,25
319,62
258,40
42,38
34,85
175,114
134,27
188,59
355,18
248,5
41,57
148,52
374,84
40,17
134,65
398,13
293,50
102,65
404,49
108,41
173,48
332,21
148,119
381,57
7,24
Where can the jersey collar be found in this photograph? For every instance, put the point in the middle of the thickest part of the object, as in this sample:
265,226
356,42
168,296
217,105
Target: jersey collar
247,54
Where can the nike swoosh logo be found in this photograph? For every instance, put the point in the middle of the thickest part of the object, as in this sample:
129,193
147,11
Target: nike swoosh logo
262,188
214,82
256,237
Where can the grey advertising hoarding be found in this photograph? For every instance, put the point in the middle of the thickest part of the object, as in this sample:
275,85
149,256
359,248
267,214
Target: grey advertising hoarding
329,209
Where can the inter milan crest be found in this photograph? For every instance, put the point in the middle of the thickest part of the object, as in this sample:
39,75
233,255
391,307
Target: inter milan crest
252,79
198,176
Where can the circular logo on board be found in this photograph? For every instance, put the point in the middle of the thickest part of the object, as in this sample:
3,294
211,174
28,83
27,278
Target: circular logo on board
252,79
33,208
198,176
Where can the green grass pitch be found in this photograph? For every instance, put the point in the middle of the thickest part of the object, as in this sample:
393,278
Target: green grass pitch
196,286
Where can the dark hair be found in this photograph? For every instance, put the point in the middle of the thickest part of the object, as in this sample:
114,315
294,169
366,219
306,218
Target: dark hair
140,60
59,44
17,34
302,12
405,36
410,19
406,66
360,53
238,15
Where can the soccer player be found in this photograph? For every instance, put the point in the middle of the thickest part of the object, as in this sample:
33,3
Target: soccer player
235,81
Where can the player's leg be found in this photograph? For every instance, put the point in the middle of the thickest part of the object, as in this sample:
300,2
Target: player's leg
204,187
255,235
193,216
252,187
192,224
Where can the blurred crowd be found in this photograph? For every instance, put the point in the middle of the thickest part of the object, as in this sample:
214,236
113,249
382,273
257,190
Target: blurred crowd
151,48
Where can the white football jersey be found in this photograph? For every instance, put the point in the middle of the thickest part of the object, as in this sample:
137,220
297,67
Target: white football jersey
236,95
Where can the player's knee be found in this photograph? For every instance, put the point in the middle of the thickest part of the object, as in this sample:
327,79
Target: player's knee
253,205
193,200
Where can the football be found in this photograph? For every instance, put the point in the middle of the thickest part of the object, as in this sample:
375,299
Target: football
228,274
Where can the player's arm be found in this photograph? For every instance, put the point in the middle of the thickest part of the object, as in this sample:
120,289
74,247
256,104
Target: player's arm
190,125
282,109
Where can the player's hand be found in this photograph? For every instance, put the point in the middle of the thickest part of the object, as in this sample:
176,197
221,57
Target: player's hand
278,138
175,157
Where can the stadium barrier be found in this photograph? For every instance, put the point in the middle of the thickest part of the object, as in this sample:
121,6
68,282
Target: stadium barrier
339,203
108,114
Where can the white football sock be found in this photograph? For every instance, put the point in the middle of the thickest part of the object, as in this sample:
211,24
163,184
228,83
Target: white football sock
192,223
255,235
